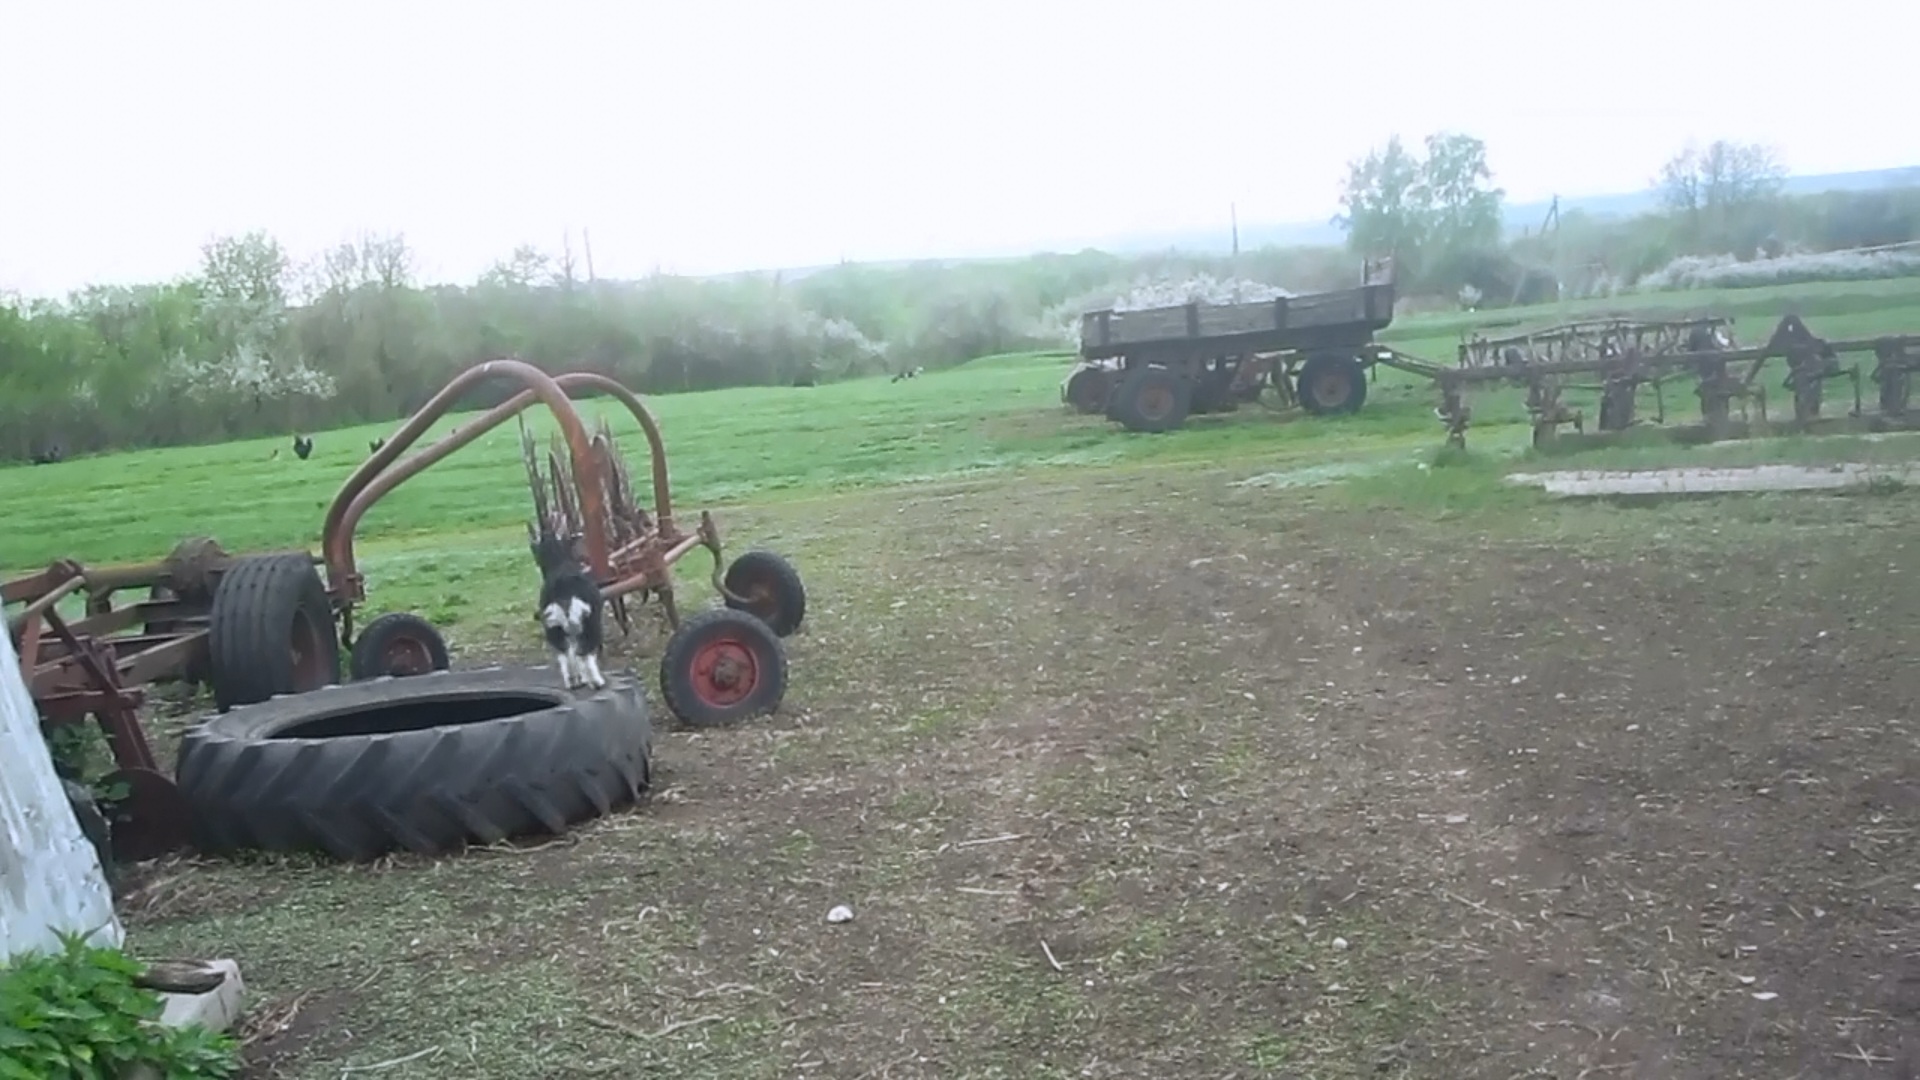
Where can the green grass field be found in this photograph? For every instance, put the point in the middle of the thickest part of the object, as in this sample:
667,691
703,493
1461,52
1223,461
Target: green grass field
994,416
1271,747
430,544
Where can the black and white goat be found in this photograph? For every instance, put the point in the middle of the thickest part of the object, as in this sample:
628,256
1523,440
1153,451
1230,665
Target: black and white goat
570,609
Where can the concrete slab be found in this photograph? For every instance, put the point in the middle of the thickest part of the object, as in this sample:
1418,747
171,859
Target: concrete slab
1706,481
218,1009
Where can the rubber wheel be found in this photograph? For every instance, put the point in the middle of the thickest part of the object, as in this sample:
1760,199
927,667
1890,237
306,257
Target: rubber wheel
398,643
721,666
272,631
773,590
1152,400
1331,384
428,764
1088,389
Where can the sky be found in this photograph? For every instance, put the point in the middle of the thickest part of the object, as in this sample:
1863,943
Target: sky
706,136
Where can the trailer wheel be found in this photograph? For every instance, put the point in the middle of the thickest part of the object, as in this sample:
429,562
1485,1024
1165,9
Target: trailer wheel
1088,388
271,631
428,764
721,666
1332,383
398,643
773,590
1152,400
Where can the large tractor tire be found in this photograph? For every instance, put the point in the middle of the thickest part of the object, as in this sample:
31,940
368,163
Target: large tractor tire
1331,384
428,764
1152,400
271,631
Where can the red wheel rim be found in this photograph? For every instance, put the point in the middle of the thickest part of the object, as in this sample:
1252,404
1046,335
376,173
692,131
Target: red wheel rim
1156,401
1329,388
309,667
724,672
406,656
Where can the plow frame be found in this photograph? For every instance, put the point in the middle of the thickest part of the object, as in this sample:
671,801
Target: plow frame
99,665
1625,355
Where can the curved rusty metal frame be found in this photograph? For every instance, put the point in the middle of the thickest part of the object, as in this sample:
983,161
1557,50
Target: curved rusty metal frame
639,565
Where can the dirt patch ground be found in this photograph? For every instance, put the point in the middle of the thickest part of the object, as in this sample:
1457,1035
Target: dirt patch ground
1144,774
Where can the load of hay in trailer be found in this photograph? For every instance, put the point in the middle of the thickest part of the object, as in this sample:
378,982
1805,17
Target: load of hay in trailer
294,760
1150,369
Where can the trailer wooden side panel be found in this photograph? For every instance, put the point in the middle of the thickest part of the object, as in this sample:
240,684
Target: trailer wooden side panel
1369,307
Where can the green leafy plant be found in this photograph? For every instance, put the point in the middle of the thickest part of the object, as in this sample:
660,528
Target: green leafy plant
73,747
77,1015
81,754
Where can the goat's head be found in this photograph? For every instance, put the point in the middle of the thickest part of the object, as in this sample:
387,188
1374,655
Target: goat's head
553,551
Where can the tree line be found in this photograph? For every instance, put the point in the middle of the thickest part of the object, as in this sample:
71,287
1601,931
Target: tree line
1438,214
255,342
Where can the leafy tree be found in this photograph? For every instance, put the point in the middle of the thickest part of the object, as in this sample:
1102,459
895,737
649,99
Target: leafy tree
1429,213
1719,196
1383,205
1457,195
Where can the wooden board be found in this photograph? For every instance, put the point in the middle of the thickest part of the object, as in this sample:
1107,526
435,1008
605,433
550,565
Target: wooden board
1190,321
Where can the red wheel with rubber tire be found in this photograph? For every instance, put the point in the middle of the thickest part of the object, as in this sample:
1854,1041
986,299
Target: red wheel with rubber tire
721,666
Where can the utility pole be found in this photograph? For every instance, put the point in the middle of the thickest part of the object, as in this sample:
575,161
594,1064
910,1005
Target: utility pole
587,243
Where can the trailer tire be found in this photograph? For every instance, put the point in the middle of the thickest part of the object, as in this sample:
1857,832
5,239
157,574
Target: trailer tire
774,592
398,643
428,764
1152,400
1088,389
1331,384
271,631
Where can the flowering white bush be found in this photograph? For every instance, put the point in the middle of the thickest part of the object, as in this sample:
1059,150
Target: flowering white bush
1727,272
248,373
